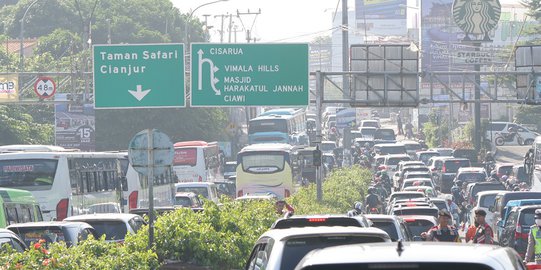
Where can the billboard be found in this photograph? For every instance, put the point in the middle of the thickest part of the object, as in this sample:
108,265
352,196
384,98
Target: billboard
381,17
9,85
75,124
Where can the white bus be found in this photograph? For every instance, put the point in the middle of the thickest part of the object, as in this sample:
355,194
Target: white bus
197,161
73,183
265,169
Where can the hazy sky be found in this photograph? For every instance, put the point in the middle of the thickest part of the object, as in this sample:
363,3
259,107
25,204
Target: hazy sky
280,20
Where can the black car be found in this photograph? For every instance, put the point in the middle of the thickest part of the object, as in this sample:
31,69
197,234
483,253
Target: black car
448,172
470,154
517,228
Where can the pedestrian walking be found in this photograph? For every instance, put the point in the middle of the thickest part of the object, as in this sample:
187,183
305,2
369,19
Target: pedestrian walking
399,124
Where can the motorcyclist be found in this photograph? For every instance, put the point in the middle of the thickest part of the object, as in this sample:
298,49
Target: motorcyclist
453,207
357,209
493,176
489,161
372,200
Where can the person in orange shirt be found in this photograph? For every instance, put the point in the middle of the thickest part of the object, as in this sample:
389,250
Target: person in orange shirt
471,231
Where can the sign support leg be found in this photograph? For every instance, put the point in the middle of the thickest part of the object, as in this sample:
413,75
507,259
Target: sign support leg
150,140
319,137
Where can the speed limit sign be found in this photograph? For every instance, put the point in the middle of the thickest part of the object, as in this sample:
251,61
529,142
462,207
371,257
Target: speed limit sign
45,87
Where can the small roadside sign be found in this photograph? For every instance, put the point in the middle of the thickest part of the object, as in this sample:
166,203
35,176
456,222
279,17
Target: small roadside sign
232,75
151,148
44,87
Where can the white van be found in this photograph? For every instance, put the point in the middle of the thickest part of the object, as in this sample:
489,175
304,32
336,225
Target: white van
205,189
502,127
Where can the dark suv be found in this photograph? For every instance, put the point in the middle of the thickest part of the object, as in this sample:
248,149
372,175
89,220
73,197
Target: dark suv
448,172
517,228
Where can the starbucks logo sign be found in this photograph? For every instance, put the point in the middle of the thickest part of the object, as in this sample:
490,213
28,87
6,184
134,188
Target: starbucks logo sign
477,17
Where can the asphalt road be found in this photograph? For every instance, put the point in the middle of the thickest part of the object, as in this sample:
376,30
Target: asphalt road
511,154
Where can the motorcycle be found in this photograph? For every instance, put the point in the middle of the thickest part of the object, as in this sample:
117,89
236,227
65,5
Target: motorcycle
502,138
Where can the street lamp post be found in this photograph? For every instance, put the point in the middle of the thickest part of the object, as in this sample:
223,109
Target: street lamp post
21,37
190,17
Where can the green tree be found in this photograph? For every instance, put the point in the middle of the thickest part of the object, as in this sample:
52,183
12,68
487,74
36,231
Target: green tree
114,128
60,43
528,114
17,126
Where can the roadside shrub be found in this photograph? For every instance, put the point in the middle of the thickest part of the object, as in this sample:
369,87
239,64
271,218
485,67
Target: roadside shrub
89,254
219,237
340,190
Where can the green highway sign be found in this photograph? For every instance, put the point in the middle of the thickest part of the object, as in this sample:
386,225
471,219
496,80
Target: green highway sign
138,76
226,75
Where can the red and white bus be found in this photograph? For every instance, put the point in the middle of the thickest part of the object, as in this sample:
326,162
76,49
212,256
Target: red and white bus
197,161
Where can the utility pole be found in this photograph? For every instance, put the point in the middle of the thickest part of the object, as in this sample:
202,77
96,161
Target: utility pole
248,31
477,109
345,49
222,16
229,27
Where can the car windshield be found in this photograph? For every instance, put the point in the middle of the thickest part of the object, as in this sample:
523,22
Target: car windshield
487,201
296,248
113,230
418,226
388,227
203,191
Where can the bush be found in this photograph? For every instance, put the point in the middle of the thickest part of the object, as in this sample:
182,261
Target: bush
219,237
89,254
340,190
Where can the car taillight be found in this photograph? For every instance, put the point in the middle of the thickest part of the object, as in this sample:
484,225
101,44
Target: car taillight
443,169
409,220
132,199
287,193
200,179
240,193
317,219
62,209
382,168
519,234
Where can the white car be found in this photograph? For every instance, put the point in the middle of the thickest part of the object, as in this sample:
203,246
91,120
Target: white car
282,249
413,255
206,189
370,123
390,164
113,226
484,200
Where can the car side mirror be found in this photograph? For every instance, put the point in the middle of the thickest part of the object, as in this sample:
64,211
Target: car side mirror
417,239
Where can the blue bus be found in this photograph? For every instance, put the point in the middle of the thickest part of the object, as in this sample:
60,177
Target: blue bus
283,126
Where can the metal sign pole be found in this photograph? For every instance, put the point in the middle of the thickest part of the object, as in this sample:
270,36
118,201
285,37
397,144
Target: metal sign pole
319,98
150,140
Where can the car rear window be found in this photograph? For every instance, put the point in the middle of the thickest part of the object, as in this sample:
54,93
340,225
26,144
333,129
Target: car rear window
405,196
417,175
487,201
478,188
315,222
472,176
416,212
505,170
113,230
426,183
388,227
395,161
426,156
527,218
418,226
452,166
399,266
34,234
296,248
390,150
